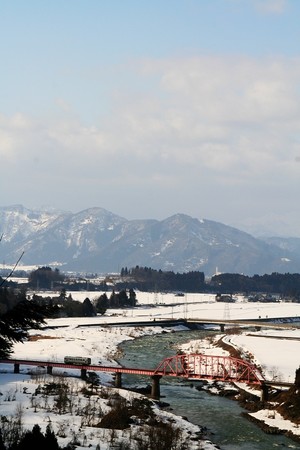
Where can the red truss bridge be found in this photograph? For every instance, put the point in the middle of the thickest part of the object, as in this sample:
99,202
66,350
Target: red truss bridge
200,366
190,366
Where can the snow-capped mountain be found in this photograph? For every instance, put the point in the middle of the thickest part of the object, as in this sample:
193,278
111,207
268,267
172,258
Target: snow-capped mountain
96,240
18,222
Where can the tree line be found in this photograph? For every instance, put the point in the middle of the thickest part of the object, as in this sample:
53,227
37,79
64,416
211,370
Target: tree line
287,285
147,279
152,280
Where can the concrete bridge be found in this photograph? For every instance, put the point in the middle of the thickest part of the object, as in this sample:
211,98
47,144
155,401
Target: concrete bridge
280,323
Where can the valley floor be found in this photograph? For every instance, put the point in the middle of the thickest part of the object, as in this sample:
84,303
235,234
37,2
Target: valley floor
270,349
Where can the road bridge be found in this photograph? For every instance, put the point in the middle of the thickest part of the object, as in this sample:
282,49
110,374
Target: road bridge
279,323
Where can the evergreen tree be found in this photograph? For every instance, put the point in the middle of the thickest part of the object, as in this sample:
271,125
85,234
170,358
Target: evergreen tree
114,300
132,297
123,299
50,439
33,440
101,304
88,308
17,317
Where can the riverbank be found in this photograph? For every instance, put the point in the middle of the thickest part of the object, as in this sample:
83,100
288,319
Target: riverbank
263,414
272,416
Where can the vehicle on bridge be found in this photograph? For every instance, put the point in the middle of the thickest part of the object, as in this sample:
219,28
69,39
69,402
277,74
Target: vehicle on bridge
77,360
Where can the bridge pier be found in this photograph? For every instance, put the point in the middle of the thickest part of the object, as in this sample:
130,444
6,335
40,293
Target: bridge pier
155,389
222,327
264,394
49,370
118,379
83,374
16,368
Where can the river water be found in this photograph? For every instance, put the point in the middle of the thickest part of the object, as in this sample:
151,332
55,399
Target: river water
222,417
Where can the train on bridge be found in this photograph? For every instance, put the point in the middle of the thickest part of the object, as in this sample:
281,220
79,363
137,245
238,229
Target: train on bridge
78,360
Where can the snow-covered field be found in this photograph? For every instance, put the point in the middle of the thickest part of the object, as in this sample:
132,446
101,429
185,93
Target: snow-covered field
200,306
275,354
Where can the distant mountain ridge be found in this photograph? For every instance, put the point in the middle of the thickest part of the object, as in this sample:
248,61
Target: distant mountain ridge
96,240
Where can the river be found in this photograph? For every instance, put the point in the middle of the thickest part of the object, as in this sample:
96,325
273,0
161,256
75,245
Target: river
222,417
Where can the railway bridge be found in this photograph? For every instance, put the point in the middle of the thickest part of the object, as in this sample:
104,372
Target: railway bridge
189,366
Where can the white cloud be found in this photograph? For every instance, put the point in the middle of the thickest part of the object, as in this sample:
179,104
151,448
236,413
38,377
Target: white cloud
207,110
271,6
209,121
213,109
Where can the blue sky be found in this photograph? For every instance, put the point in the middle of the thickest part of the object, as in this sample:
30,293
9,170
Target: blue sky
153,108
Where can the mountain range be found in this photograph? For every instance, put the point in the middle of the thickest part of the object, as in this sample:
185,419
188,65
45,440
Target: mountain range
98,241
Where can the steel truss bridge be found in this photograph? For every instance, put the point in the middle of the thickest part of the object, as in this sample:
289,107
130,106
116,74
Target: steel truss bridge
210,367
190,366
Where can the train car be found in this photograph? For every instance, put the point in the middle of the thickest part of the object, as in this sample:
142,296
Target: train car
77,360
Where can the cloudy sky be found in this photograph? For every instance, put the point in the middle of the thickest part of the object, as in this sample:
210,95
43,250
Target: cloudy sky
150,108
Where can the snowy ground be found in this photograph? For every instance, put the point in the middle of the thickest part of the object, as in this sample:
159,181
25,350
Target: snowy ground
270,349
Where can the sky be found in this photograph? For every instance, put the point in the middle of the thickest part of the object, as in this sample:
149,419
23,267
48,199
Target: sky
149,109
